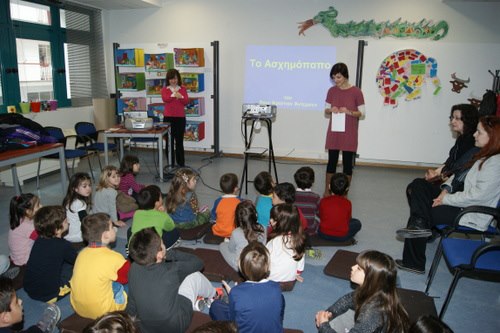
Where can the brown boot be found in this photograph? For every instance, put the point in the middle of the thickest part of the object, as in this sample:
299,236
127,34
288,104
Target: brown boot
328,177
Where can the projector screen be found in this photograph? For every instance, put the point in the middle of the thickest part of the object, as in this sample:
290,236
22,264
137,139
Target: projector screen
290,77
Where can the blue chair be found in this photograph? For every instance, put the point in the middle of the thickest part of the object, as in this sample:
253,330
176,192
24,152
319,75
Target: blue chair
444,229
87,139
476,258
69,154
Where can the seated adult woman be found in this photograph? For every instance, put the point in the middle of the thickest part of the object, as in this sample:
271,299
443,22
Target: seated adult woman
481,187
421,191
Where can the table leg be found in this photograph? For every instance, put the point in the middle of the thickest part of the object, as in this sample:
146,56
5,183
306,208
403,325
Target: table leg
62,164
106,158
15,180
160,156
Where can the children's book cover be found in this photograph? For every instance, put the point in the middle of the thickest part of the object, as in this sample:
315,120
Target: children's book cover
195,130
131,104
153,87
194,82
193,57
195,107
160,62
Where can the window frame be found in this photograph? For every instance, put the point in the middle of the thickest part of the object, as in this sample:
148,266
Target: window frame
53,33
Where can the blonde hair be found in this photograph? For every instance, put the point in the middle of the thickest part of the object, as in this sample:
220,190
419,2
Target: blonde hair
179,188
105,174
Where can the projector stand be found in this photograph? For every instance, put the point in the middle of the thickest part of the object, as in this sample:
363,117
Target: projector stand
257,151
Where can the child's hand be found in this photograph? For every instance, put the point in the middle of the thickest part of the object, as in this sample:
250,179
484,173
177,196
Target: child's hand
323,317
120,224
226,286
299,278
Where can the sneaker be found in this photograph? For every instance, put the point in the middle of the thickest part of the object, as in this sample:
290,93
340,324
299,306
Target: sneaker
219,293
200,304
314,253
11,273
401,265
412,232
50,318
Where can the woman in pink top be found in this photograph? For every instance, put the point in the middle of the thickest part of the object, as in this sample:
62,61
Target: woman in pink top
175,97
22,232
345,104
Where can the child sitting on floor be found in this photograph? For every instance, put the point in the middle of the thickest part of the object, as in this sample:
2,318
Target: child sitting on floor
264,185
78,202
256,305
286,245
151,213
164,287
335,212
22,234
51,260
247,230
307,200
99,273
129,167
285,193
11,312
106,193
225,206
182,204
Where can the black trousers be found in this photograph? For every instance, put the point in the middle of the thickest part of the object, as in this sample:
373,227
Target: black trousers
347,161
177,128
420,194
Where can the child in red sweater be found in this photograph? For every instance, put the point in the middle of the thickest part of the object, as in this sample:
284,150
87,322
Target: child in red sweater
335,212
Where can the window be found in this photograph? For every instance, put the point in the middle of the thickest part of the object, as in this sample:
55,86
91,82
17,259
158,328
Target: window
35,69
50,50
30,12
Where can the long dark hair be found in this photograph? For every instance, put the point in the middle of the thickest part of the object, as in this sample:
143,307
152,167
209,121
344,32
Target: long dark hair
287,224
127,164
379,286
19,206
71,194
245,218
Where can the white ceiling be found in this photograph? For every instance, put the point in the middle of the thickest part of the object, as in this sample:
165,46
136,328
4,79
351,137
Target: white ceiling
120,4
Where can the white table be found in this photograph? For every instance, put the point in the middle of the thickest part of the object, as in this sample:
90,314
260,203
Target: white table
122,134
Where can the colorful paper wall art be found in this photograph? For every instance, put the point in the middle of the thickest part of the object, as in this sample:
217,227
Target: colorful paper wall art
403,73
398,29
458,84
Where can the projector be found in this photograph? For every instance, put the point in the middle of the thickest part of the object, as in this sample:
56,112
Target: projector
259,110
138,123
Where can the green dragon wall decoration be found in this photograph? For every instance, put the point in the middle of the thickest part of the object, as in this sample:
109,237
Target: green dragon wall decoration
397,29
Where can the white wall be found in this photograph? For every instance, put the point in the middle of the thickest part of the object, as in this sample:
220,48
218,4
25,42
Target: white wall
414,133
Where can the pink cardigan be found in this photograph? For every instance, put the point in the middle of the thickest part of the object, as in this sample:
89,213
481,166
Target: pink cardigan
174,107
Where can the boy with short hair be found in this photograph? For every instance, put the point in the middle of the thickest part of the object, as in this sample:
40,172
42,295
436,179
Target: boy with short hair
99,273
256,305
335,212
11,311
151,213
264,185
307,200
225,206
163,293
50,265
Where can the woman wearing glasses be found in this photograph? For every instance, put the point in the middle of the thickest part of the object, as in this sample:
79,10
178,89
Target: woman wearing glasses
481,186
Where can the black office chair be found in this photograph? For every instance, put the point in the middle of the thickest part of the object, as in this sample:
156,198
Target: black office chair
87,139
69,154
